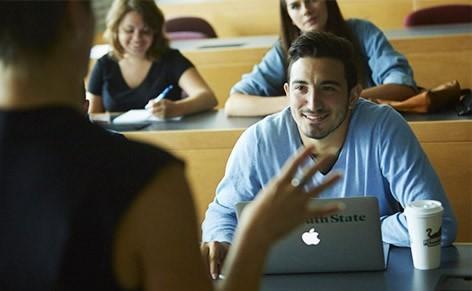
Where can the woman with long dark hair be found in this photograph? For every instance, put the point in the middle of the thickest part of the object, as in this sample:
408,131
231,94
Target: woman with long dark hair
384,72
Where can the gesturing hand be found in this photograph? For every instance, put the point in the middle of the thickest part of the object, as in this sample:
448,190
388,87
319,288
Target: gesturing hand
284,203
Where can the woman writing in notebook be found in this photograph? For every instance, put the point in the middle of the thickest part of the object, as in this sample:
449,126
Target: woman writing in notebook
386,73
141,66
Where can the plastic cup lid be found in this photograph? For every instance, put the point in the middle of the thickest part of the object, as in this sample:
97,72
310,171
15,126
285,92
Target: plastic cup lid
424,207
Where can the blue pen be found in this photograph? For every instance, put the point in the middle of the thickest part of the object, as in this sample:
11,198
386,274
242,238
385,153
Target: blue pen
159,97
164,93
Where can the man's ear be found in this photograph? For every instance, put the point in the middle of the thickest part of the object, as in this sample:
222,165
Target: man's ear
354,95
286,89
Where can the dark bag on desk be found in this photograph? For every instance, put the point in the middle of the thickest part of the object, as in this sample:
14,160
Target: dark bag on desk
428,101
464,105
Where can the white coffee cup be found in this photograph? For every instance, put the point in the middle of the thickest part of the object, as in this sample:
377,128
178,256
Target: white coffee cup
424,219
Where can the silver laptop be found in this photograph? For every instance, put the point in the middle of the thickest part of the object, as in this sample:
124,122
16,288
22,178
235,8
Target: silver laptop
349,240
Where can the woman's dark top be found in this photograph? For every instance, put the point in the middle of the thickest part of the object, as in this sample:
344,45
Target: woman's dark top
106,80
64,186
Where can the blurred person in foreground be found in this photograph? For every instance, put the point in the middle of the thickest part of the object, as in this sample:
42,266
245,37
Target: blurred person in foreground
66,221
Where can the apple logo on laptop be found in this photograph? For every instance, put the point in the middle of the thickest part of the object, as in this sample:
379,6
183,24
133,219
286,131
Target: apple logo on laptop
310,237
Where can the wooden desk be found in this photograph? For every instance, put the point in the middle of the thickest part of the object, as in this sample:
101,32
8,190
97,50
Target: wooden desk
205,141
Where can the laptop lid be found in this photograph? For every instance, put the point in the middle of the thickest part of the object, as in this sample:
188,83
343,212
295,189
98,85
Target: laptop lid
349,240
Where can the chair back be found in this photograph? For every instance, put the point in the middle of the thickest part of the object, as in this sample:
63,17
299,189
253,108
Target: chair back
442,14
188,27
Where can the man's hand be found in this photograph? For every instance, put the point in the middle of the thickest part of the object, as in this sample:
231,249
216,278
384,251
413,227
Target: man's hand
214,254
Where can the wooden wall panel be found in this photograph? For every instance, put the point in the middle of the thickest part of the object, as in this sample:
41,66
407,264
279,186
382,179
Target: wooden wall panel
222,68
232,17
205,154
448,145
436,60
386,14
199,164
453,164
418,4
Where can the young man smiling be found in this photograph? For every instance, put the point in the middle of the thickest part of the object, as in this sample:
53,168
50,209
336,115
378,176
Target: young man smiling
371,144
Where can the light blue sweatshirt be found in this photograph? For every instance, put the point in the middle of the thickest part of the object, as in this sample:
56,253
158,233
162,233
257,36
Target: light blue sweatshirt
380,157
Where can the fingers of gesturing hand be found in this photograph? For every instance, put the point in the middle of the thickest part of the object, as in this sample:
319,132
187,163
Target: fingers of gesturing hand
290,168
318,210
324,210
327,182
289,175
299,185
288,195
307,173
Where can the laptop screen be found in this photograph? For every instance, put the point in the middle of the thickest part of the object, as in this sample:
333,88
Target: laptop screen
349,240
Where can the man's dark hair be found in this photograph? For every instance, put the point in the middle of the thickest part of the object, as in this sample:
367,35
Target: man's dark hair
30,28
324,45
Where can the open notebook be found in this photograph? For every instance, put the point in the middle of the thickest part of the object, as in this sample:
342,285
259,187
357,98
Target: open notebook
140,116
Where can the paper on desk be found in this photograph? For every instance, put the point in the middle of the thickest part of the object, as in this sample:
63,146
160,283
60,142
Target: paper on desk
140,116
100,117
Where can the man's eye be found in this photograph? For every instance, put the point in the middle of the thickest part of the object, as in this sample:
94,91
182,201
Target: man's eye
300,88
329,89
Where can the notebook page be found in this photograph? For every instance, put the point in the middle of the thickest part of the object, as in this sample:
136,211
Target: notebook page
140,116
